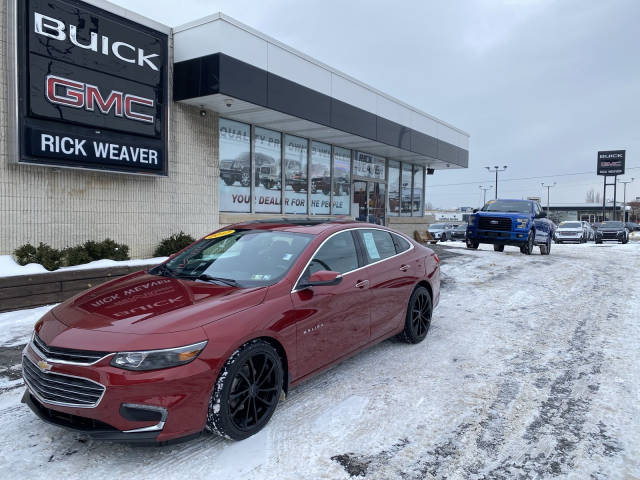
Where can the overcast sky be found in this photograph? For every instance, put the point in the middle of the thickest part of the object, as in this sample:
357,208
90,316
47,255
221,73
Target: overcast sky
540,85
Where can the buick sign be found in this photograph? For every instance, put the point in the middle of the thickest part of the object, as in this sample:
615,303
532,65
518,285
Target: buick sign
611,162
92,88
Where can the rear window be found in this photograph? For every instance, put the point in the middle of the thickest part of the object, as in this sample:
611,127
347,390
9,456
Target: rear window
378,245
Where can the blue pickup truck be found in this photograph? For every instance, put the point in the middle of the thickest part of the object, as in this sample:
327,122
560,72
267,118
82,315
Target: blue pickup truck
521,223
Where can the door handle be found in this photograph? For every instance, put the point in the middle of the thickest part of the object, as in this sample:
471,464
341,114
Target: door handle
362,284
404,268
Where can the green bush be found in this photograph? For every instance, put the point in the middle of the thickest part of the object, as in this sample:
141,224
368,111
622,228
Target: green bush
76,255
106,249
170,245
47,256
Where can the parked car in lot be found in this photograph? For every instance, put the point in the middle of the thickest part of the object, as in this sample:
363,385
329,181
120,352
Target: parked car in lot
441,231
520,223
571,232
211,338
632,227
459,233
612,231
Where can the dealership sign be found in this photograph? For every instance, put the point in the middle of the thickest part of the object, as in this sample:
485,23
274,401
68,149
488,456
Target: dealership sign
611,162
92,88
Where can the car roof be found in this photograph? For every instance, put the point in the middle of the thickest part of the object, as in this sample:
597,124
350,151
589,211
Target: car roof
307,225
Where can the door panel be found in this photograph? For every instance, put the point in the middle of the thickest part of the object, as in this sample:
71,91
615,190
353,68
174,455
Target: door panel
333,320
392,279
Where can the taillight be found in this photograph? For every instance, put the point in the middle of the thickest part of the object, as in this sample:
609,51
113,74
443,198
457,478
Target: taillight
436,258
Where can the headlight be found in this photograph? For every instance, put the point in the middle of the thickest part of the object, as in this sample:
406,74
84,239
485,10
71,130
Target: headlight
157,359
521,222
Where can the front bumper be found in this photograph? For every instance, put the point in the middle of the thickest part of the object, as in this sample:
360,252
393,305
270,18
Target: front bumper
514,238
573,237
179,396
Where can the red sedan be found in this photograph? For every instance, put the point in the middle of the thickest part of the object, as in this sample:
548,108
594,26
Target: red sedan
214,337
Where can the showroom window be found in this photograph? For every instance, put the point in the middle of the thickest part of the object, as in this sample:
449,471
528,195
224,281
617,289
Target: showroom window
320,173
235,166
267,196
393,205
295,174
405,190
341,181
417,206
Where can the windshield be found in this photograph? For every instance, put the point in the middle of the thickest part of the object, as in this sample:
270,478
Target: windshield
244,258
461,227
508,206
570,225
437,226
611,225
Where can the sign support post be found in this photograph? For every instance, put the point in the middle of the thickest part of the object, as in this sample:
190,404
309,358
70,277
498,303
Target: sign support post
610,164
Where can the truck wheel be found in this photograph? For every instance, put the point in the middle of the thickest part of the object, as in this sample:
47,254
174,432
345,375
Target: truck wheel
546,248
473,244
527,248
227,181
498,248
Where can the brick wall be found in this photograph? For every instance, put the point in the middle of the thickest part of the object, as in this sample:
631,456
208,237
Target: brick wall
64,207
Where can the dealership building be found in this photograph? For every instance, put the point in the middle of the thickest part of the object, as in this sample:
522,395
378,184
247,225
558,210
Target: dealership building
112,125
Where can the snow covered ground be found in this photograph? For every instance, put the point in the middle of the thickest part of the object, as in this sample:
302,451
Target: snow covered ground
531,370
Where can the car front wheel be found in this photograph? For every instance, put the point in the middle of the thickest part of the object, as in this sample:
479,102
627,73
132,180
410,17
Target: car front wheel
527,248
418,318
247,391
473,244
498,248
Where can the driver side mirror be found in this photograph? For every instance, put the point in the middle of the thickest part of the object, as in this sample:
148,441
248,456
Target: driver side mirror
322,278
542,214
475,210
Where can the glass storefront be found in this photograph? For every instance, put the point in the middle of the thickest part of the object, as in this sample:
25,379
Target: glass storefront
275,173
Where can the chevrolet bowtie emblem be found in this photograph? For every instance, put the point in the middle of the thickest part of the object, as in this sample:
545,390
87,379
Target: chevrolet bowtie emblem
44,366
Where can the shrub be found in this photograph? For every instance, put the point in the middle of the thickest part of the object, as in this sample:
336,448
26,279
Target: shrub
106,249
76,255
47,256
170,245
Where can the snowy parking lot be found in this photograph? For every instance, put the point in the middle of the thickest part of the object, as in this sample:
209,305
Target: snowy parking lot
531,370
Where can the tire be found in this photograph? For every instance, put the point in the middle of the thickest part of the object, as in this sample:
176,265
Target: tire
472,244
418,317
245,179
443,238
546,249
227,181
527,248
498,248
598,242
239,407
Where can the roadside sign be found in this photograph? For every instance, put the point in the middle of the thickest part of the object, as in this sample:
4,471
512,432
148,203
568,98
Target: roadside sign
611,162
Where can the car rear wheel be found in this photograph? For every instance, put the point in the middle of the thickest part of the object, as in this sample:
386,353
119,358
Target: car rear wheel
527,248
498,248
418,318
247,391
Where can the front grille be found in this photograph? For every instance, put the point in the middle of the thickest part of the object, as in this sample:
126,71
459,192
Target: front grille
611,235
85,357
570,234
59,389
494,223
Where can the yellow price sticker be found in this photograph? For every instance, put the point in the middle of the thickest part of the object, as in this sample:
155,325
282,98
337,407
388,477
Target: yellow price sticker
224,233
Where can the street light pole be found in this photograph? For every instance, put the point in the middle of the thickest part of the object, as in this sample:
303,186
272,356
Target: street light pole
484,194
624,197
548,187
496,169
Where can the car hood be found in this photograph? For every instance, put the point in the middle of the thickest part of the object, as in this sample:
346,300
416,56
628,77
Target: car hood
610,229
142,304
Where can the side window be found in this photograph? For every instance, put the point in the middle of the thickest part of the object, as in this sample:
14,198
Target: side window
538,209
401,244
378,245
337,254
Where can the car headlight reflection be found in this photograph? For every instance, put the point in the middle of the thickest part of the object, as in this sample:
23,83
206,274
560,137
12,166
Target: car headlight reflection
157,359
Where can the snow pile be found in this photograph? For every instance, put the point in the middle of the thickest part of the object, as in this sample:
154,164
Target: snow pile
17,326
9,267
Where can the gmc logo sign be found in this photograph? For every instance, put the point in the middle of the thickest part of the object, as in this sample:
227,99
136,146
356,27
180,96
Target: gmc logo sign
63,91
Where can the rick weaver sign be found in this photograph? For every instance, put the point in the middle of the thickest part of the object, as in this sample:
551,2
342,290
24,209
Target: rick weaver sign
92,88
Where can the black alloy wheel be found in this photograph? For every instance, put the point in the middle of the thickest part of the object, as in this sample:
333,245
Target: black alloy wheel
527,248
247,391
498,248
418,318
